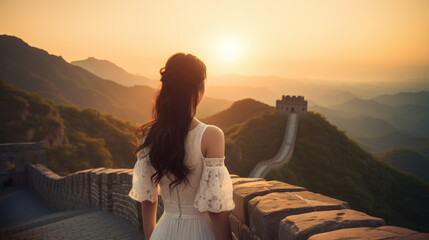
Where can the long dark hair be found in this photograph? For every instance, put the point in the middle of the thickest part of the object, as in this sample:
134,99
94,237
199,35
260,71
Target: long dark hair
174,108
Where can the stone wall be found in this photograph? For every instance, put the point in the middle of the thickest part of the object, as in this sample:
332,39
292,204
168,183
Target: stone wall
20,154
284,154
292,104
264,209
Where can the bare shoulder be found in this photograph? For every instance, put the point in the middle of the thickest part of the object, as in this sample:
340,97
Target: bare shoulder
213,131
213,142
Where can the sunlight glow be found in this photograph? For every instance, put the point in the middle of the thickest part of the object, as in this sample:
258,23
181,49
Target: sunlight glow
229,48
355,40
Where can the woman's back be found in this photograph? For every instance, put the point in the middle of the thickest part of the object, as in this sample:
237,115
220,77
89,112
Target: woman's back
185,207
170,157
185,193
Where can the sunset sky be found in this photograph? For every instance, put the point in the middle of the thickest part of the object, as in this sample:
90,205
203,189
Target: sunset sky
357,40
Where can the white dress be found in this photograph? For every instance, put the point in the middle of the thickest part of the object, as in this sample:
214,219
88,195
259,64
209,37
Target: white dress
185,209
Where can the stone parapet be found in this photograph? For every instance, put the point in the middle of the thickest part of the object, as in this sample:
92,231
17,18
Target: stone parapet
264,209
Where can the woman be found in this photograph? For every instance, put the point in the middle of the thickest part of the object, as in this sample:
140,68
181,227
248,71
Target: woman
182,159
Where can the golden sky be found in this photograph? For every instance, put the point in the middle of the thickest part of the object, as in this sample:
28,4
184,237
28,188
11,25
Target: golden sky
350,40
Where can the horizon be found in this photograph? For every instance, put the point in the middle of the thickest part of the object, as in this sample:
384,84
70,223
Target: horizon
79,78
353,41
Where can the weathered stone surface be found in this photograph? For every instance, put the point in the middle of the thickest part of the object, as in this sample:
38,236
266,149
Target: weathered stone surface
243,193
417,236
235,225
302,226
94,170
239,180
309,196
247,234
245,190
101,171
383,232
277,186
266,211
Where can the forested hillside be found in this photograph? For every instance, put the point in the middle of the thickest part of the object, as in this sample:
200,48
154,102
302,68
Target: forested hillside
238,112
257,139
407,160
75,138
325,160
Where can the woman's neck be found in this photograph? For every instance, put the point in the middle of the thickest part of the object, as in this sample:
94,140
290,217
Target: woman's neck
194,123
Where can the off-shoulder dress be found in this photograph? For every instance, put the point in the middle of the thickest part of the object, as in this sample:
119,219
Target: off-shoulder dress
185,208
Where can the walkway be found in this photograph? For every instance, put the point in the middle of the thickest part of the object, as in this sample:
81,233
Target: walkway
285,152
22,216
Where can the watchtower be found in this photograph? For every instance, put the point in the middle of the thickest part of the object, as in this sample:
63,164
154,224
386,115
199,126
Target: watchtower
13,160
290,104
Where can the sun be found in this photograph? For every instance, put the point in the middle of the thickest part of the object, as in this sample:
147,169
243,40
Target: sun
229,48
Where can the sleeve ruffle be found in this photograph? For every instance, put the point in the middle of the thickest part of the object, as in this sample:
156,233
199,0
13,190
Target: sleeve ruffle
215,190
142,186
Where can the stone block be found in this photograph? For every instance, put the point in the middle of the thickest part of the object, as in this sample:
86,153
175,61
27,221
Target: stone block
117,176
235,225
311,196
243,193
245,233
277,186
266,211
127,177
361,233
240,180
302,226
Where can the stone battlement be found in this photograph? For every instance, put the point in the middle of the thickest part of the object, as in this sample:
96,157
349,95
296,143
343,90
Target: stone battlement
264,209
292,104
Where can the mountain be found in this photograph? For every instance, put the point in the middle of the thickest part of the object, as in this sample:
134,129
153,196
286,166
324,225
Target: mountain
420,98
238,112
28,117
407,160
269,88
111,71
326,96
326,161
376,134
375,109
253,140
235,93
35,70
358,107
108,70
390,140
412,118
209,106
75,138
322,92
362,126
422,147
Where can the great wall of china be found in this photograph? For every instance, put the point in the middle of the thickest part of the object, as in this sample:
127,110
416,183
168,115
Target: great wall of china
285,152
264,209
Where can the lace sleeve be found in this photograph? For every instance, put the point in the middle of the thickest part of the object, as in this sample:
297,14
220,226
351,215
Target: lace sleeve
215,190
142,186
